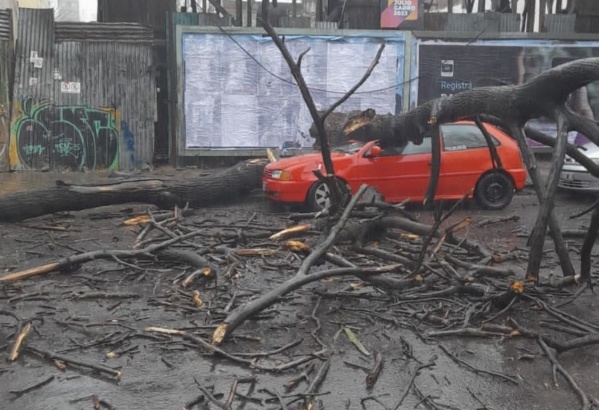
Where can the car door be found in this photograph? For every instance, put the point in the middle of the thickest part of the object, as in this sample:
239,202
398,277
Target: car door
399,173
465,157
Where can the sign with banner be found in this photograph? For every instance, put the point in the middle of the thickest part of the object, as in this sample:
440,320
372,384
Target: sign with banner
447,68
395,12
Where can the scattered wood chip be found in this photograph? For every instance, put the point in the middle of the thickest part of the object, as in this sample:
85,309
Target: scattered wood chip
141,219
294,230
255,252
196,299
16,347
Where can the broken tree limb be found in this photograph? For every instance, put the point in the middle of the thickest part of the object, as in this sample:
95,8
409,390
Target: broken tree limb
561,249
545,95
69,261
461,362
238,316
433,132
302,277
77,362
587,247
538,97
16,347
586,403
537,237
227,184
424,230
207,347
373,375
191,258
560,347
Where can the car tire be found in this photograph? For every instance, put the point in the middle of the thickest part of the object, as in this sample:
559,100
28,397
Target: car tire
494,191
319,194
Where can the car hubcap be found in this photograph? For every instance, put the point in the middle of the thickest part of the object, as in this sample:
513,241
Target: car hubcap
495,191
322,196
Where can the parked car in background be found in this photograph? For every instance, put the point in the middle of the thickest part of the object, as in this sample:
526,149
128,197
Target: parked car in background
575,177
401,173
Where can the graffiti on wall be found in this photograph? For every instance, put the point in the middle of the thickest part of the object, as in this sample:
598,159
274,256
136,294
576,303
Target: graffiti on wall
129,141
70,137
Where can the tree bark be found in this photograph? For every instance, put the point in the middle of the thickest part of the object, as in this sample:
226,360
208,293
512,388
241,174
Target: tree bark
545,215
511,103
534,261
545,95
226,185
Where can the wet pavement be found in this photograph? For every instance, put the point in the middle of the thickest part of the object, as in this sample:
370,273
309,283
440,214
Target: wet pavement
160,374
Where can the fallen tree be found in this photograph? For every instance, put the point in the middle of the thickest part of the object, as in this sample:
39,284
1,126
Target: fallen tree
510,107
226,185
431,271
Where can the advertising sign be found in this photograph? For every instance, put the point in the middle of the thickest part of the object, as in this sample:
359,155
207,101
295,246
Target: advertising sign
250,99
395,12
447,68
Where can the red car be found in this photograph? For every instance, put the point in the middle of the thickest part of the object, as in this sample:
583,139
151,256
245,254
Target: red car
404,173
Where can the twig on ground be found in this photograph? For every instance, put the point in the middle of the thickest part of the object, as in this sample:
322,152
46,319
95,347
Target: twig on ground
586,404
372,377
16,347
475,369
77,362
35,386
430,363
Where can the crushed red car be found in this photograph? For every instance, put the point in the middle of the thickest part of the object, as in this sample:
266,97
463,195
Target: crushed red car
400,173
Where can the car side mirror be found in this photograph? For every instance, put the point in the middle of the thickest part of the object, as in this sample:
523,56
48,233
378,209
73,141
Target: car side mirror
375,151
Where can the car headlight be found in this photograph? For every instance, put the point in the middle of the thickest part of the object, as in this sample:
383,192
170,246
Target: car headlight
281,175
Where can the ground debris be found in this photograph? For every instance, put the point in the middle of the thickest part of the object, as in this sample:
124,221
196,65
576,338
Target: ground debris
165,292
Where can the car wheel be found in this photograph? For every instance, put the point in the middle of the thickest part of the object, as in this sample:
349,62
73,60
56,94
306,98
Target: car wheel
494,191
319,196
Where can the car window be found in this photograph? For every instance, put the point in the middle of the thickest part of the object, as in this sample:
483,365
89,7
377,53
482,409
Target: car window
459,137
413,149
349,148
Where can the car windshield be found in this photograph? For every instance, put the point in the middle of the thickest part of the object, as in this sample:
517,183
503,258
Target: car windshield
349,147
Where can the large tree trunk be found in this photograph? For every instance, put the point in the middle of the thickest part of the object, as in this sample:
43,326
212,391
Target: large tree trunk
226,185
545,95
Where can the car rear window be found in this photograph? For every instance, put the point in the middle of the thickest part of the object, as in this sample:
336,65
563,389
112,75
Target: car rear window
459,137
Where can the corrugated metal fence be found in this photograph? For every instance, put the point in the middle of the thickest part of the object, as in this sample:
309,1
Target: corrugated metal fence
84,95
6,59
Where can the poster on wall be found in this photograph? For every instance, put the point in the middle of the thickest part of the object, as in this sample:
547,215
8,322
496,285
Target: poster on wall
450,68
395,12
243,94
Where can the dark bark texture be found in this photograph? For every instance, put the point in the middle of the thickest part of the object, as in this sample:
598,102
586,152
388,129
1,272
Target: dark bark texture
510,106
226,185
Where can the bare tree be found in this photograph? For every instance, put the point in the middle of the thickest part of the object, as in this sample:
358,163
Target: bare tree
335,187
